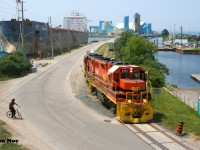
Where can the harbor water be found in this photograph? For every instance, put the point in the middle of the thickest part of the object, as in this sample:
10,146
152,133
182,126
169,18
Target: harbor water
181,66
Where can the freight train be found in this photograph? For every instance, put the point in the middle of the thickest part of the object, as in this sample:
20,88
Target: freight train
121,87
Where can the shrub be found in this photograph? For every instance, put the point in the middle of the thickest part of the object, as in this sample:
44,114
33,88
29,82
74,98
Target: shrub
14,65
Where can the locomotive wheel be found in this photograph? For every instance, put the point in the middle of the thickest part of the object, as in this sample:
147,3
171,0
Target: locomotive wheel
113,108
106,103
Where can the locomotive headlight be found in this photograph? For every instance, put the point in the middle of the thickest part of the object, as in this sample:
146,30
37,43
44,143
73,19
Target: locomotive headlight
129,101
144,100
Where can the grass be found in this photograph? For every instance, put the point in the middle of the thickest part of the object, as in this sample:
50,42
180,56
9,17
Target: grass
4,78
10,146
169,111
103,50
4,135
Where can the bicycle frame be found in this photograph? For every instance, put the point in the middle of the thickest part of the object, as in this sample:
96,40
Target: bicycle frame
17,114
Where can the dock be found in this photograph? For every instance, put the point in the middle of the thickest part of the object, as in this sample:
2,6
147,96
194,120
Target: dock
179,50
196,77
166,49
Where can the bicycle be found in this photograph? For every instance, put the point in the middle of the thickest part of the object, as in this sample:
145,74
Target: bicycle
17,114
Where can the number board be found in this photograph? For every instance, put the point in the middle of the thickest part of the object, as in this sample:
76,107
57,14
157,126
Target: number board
124,70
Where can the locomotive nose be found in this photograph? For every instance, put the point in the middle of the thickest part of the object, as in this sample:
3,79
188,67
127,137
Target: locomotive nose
134,85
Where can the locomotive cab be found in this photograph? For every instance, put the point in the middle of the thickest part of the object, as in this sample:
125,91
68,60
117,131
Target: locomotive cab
129,82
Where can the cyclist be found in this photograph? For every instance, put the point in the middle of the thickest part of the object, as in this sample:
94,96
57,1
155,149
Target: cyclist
11,107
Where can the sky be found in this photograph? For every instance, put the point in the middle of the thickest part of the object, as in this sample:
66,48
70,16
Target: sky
162,14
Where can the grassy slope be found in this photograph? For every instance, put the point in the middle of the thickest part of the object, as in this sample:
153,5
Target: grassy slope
169,110
4,135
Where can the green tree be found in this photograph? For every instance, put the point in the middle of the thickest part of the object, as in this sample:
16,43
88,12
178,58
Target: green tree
138,51
120,43
165,33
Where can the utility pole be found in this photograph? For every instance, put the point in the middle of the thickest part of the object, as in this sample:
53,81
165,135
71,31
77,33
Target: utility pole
22,32
51,38
21,35
174,33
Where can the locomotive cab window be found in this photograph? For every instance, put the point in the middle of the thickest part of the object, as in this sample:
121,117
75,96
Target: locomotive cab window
124,75
135,74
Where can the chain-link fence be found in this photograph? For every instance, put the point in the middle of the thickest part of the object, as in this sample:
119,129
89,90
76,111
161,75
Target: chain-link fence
190,97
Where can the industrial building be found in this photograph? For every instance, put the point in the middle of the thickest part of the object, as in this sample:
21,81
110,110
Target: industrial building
75,22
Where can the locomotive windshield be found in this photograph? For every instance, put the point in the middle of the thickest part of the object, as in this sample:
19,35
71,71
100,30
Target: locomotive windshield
136,74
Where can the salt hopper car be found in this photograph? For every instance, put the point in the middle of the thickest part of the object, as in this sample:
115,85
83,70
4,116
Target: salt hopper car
121,87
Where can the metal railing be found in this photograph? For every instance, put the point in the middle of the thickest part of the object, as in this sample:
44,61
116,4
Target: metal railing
190,97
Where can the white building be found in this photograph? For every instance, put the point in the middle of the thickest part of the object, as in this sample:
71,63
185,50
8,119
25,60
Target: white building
75,22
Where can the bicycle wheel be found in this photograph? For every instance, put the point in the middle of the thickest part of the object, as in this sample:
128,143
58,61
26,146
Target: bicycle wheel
9,114
18,115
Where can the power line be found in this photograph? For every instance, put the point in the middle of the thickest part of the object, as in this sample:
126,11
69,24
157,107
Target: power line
8,9
33,12
8,4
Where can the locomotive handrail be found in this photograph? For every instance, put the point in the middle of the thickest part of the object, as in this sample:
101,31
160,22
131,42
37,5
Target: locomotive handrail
93,74
142,96
150,88
131,95
115,85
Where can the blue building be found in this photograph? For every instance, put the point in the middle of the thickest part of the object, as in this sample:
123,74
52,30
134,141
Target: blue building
136,25
126,22
145,28
141,27
103,28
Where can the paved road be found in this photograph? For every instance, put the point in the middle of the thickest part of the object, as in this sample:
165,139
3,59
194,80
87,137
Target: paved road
55,119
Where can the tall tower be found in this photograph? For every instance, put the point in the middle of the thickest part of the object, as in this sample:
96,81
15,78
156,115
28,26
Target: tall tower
126,22
137,22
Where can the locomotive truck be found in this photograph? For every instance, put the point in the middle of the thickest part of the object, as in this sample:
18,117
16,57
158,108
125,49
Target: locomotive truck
121,87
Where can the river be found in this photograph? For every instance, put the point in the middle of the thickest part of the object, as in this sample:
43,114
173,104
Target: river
181,66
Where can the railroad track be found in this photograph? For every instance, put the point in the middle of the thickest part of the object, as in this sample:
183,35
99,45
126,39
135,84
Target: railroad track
159,138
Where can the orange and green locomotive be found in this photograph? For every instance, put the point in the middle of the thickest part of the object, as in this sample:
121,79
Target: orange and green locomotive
121,87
